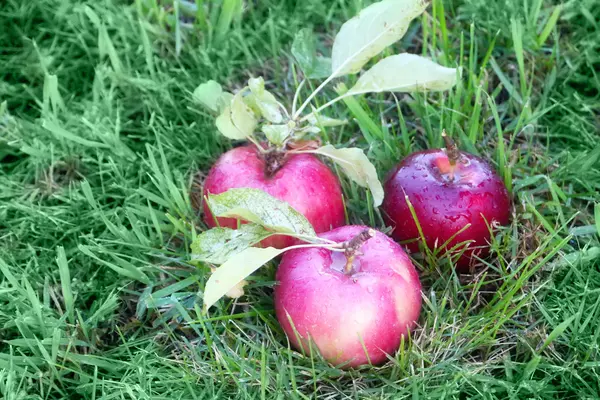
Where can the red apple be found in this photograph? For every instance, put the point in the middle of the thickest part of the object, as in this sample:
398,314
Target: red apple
446,197
355,317
303,181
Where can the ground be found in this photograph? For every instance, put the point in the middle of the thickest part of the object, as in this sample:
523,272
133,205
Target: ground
100,144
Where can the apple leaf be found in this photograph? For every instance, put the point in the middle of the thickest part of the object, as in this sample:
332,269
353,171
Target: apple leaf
211,95
257,86
307,130
321,120
372,30
208,94
226,127
357,166
224,101
304,51
277,134
263,101
405,73
216,245
237,291
228,276
242,116
256,206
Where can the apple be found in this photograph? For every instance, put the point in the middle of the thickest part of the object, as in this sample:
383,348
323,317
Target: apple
301,180
448,189
354,308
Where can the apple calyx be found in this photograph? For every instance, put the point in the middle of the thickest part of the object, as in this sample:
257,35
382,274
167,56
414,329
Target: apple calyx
274,160
352,247
275,156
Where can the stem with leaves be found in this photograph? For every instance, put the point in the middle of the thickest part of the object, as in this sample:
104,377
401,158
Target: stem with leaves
324,106
311,96
234,250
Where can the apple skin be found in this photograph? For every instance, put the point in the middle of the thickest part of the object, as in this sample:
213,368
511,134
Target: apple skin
304,182
378,303
446,199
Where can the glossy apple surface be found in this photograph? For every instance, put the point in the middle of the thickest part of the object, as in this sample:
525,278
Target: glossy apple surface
446,198
352,318
304,182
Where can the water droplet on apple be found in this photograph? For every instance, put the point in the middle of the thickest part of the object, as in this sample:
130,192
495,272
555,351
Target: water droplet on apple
453,218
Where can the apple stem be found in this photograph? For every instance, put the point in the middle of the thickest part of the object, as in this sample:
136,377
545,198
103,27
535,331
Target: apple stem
257,144
451,149
352,246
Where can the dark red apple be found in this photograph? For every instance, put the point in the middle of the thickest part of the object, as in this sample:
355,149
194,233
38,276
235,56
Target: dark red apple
354,318
446,196
302,180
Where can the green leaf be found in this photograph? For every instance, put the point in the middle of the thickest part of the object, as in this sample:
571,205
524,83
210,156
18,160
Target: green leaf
242,116
256,206
263,101
405,73
224,101
304,51
372,30
307,130
226,127
257,86
237,120
228,276
358,168
277,134
216,245
321,68
208,94
321,120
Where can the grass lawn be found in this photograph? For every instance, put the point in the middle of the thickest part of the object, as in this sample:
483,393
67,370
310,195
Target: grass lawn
100,143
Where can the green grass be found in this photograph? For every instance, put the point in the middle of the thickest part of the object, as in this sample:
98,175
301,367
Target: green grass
99,143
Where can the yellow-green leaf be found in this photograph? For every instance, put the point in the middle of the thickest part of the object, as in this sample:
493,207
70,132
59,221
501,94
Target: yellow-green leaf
208,94
226,278
357,166
372,30
277,134
242,117
405,73
256,206
305,52
226,127
216,245
321,120
263,101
